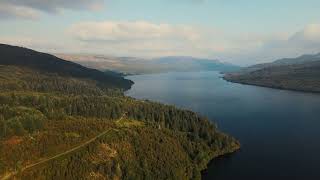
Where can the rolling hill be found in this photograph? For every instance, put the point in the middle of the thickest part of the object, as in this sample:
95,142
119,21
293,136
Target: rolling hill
300,74
283,62
27,58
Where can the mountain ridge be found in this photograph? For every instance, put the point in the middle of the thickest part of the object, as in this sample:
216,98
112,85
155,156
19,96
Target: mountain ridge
284,61
299,74
19,56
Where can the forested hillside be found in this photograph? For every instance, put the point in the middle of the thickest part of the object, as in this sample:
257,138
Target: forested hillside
300,74
26,58
67,126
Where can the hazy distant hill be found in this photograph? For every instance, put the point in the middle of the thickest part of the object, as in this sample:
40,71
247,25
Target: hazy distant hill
18,56
285,61
302,74
186,63
129,65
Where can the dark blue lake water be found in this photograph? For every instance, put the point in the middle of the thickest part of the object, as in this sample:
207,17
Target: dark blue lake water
279,130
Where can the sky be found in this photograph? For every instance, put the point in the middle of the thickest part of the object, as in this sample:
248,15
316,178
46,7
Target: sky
241,32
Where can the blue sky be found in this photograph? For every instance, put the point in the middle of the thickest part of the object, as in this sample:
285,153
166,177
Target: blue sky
241,32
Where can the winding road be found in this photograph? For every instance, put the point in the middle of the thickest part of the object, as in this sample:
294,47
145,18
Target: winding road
12,174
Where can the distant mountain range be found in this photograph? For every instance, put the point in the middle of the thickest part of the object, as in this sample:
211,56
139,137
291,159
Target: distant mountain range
282,62
185,63
301,74
130,65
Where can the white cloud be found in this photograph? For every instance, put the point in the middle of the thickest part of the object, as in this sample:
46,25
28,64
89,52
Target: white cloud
143,38
150,39
9,11
30,9
147,39
306,41
310,33
131,31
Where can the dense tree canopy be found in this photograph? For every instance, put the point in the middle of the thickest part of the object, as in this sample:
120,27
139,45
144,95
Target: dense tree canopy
46,114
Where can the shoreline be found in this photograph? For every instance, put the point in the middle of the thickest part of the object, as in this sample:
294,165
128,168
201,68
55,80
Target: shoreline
271,87
234,150
221,156
206,162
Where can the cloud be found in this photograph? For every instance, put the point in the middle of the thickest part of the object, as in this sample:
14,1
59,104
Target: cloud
305,41
31,9
140,37
152,39
131,31
310,33
148,39
10,11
